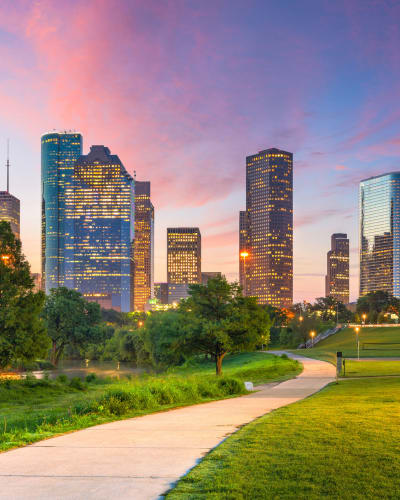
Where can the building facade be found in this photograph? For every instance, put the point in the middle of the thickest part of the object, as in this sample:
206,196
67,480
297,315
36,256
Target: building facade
337,279
205,276
177,292
266,228
379,215
59,154
10,211
99,229
184,255
161,292
143,253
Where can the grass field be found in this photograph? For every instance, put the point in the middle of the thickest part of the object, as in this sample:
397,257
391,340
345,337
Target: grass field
361,368
36,409
341,443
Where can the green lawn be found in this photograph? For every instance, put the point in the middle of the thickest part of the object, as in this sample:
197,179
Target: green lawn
341,443
361,368
345,341
30,411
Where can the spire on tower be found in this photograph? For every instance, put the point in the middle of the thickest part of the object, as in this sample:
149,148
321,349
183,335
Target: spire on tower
8,165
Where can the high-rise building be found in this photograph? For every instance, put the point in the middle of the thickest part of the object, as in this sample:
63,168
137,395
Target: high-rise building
184,255
143,253
177,292
205,276
10,205
99,229
337,275
59,153
37,280
9,211
266,228
380,234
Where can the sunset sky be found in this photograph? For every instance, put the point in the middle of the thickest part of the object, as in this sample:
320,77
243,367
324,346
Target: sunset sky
182,91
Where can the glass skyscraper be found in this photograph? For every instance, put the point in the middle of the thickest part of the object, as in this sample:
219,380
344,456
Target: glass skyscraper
99,230
183,255
266,228
9,211
143,254
380,234
59,153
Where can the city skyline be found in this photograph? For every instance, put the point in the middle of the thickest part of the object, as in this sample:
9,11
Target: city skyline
188,129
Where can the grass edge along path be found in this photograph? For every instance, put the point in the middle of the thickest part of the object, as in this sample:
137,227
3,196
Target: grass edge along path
338,443
128,399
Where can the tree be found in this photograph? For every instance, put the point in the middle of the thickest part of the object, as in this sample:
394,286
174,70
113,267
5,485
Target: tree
22,333
220,320
70,320
374,303
328,308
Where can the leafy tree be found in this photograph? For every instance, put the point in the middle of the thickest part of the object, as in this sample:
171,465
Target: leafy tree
328,308
220,320
22,333
70,320
374,303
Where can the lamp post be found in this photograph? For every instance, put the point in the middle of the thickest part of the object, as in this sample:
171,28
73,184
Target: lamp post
364,317
357,330
312,335
244,254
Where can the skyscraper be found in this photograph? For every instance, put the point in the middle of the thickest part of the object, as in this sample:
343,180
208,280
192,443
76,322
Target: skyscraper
380,234
99,229
208,275
59,153
337,275
184,255
143,254
266,228
10,205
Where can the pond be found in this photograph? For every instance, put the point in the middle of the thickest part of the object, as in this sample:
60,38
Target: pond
81,368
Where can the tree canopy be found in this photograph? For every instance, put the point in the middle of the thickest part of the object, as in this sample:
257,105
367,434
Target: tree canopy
70,320
219,319
22,333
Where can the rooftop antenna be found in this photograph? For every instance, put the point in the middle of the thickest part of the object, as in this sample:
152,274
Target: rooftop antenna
8,165
134,174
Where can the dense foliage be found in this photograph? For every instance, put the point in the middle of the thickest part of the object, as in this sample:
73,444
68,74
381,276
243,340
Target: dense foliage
22,333
378,307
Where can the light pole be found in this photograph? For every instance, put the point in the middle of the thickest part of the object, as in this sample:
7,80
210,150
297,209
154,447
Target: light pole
364,317
244,254
357,330
312,334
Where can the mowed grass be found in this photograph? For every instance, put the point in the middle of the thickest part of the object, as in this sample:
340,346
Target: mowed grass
346,342
34,410
341,443
361,368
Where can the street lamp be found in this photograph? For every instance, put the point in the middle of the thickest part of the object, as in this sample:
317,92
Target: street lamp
140,323
244,254
357,330
301,318
364,317
312,334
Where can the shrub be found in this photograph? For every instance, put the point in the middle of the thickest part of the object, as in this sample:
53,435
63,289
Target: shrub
62,378
76,383
91,377
284,356
231,386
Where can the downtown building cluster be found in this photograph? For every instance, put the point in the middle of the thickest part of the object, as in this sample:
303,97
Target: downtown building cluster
98,232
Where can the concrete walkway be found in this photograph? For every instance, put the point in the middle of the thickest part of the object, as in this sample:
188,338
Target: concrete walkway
142,457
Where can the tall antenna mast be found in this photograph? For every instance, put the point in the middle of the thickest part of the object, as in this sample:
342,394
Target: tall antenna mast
8,165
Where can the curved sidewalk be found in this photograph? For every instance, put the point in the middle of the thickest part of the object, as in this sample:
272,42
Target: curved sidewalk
142,457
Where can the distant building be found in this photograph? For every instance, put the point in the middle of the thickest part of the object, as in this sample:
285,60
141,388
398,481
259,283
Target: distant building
10,211
184,255
205,276
161,292
177,292
10,205
266,228
37,279
337,277
59,153
99,228
380,234
143,253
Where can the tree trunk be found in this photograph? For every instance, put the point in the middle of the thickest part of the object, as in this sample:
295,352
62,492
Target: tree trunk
218,363
54,354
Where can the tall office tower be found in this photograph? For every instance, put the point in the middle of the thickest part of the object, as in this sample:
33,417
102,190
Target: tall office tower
9,204
59,153
380,234
267,263
161,292
337,275
243,248
99,227
184,255
143,253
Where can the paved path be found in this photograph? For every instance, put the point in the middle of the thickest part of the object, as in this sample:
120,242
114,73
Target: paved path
142,457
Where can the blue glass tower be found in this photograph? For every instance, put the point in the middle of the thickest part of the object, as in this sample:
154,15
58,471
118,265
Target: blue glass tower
59,153
99,230
380,234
